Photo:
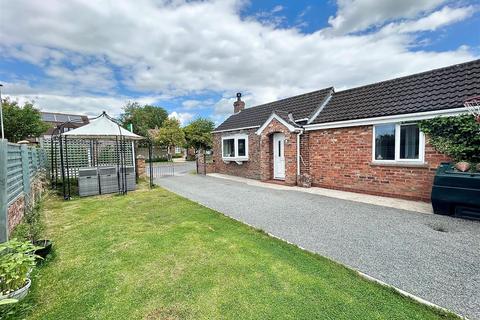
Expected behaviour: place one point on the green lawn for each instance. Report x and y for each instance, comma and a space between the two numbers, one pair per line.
155, 255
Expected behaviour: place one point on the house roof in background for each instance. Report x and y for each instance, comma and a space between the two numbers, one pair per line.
434, 90
301, 107
56, 117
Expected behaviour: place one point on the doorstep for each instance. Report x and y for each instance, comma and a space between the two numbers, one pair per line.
417, 206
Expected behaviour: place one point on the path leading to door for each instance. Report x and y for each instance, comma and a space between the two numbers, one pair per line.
434, 257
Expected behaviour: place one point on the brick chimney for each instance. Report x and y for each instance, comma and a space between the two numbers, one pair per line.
238, 105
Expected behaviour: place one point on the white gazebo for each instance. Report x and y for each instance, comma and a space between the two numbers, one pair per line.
101, 145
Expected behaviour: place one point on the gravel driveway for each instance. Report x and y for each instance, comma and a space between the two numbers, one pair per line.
434, 257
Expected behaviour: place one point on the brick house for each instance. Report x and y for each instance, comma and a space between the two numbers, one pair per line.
364, 139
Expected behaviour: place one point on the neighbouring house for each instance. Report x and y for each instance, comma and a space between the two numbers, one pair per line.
54, 119
364, 139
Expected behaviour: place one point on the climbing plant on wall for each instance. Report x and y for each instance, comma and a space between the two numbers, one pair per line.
457, 136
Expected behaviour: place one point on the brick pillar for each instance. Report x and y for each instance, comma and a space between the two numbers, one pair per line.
140, 163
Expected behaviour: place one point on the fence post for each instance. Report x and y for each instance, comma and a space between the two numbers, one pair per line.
3, 191
25, 172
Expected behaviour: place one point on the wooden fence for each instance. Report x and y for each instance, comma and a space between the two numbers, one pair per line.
19, 165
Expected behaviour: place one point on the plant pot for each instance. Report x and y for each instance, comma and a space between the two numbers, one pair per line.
18, 294
46, 248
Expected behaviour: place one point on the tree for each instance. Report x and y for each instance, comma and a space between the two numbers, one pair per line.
198, 134
143, 118
21, 122
169, 135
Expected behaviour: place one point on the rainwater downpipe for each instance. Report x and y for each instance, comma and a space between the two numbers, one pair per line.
298, 152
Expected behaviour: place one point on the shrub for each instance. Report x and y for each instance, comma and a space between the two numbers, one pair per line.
458, 137
16, 261
31, 227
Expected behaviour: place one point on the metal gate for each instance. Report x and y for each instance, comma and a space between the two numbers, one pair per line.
168, 169
161, 169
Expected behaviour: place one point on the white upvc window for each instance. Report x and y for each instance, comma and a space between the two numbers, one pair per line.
398, 143
235, 147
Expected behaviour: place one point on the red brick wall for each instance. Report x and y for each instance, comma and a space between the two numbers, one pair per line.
15, 212
341, 159
260, 153
248, 169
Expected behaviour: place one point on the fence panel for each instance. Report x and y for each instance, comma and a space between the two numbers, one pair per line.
18, 166
14, 171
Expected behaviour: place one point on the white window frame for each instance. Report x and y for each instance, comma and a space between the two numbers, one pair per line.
398, 160
236, 137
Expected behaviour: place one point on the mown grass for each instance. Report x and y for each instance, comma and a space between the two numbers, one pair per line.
155, 255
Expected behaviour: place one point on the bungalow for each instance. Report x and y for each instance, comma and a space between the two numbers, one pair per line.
364, 139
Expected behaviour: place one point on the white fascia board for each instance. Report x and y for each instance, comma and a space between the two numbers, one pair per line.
387, 119
243, 128
279, 119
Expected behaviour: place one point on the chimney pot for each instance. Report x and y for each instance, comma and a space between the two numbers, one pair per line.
238, 105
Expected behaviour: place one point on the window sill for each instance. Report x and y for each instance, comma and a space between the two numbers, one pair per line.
399, 164
237, 160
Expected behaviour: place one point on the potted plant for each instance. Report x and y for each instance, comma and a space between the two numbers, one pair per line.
16, 263
44, 247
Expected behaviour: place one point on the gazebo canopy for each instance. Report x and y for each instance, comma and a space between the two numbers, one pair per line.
104, 128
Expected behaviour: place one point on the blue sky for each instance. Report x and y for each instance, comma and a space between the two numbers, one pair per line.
191, 57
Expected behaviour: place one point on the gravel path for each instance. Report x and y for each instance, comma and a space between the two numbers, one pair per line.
434, 257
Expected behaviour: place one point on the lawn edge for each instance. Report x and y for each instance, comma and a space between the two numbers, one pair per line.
363, 275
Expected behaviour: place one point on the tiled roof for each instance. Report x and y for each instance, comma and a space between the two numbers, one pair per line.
301, 107
285, 115
438, 89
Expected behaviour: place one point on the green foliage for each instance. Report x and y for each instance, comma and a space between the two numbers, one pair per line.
143, 118
169, 135
7, 301
31, 227
457, 137
21, 122
16, 260
198, 134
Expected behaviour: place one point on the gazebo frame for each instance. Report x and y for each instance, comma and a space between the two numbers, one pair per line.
61, 148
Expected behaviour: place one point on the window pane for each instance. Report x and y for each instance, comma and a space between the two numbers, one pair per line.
241, 148
385, 142
229, 148
409, 141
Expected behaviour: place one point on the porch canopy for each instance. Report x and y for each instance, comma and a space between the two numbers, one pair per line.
104, 128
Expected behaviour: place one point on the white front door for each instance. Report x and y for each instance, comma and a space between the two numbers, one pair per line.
279, 156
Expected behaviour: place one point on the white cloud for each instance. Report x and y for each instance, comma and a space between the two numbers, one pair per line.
190, 104
433, 21
183, 117
277, 8
60, 102
175, 48
357, 15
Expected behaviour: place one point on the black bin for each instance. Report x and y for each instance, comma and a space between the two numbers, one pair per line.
456, 193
